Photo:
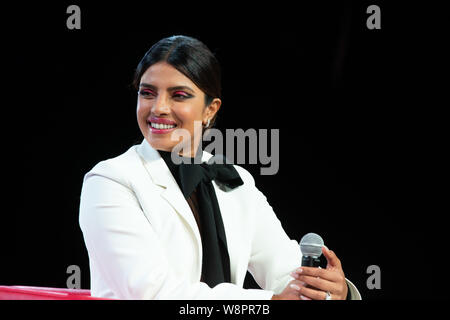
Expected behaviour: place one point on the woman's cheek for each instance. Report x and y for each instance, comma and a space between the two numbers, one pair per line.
187, 114
142, 111
142, 115
140, 108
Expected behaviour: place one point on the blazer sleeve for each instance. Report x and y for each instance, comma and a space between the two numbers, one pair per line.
274, 255
127, 253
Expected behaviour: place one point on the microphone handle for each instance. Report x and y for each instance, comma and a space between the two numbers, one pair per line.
308, 261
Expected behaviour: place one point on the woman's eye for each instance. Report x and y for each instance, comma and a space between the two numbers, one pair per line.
146, 93
181, 95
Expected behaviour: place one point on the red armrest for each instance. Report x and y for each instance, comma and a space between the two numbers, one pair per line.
44, 293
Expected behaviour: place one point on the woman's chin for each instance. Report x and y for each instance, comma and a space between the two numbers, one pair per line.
157, 144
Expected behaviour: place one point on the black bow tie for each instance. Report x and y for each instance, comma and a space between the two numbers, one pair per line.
189, 174
197, 178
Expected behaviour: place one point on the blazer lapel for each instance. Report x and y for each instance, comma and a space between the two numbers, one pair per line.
161, 175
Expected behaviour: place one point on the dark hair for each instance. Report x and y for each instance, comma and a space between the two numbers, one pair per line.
189, 56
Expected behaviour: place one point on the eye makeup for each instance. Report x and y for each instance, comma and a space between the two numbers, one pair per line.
149, 91
181, 94
146, 92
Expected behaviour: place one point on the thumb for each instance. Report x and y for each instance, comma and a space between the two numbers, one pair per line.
332, 259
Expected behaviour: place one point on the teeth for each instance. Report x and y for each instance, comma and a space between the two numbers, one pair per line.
162, 126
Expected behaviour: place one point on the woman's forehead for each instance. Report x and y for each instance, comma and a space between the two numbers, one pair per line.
163, 75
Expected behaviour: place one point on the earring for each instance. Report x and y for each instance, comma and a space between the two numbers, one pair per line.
207, 123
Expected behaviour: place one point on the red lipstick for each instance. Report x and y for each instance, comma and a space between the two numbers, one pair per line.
161, 120
158, 125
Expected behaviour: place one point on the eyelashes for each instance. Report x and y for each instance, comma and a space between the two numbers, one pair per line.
181, 94
147, 93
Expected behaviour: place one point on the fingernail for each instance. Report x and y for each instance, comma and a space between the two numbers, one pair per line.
294, 274
299, 270
295, 287
304, 298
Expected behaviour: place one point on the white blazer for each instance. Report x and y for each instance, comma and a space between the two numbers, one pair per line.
143, 241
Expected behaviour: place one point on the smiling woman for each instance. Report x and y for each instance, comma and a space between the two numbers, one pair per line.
155, 229
178, 81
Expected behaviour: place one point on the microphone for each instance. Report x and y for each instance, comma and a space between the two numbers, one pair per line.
311, 246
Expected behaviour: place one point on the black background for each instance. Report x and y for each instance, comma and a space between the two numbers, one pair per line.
360, 114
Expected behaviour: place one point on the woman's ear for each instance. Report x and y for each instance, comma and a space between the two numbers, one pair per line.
211, 110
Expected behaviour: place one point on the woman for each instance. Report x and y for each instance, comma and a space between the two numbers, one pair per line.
158, 229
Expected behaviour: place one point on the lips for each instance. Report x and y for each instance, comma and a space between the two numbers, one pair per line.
161, 121
161, 125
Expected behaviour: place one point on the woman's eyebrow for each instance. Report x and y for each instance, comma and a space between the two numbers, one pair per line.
148, 85
180, 88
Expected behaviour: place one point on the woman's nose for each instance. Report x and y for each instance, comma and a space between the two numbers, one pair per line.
160, 105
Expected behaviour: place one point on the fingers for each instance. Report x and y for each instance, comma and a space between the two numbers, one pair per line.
291, 292
332, 259
302, 292
325, 274
319, 283
313, 283
311, 294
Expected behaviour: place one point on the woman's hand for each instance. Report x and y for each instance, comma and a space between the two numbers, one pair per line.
319, 281
291, 292
313, 283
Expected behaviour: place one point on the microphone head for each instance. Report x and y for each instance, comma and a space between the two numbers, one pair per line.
311, 245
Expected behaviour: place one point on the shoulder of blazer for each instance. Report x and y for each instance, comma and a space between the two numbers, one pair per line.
119, 168
246, 176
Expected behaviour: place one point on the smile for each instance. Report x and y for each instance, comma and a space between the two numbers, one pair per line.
161, 125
